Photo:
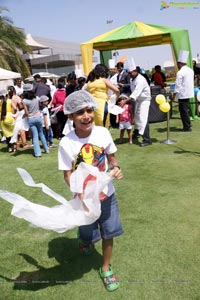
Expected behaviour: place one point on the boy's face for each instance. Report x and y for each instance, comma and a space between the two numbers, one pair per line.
45, 102
83, 121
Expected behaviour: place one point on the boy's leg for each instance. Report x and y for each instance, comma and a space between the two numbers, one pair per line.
107, 246
87, 236
106, 273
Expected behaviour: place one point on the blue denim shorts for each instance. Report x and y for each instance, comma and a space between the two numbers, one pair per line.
107, 226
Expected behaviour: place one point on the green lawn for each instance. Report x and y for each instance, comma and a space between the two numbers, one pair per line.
157, 258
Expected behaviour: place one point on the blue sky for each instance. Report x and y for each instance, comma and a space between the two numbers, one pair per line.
81, 20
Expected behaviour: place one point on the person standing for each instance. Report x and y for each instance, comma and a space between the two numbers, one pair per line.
93, 145
184, 89
32, 103
123, 79
98, 85
113, 79
18, 87
141, 95
158, 77
58, 101
7, 121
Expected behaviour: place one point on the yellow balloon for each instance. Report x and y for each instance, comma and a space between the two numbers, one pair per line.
164, 107
160, 99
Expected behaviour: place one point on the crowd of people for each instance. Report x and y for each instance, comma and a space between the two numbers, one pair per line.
35, 111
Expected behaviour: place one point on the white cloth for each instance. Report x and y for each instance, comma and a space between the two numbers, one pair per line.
112, 107
92, 150
19, 90
113, 80
20, 124
184, 85
68, 127
141, 93
69, 214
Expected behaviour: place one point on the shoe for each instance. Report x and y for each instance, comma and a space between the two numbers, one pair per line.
52, 146
187, 129
110, 281
26, 146
143, 144
85, 248
136, 136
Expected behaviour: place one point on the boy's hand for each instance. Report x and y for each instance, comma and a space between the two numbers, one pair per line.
116, 173
81, 196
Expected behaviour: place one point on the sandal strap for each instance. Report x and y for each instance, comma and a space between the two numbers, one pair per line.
106, 274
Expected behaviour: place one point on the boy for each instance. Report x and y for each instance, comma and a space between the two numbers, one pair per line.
93, 145
46, 123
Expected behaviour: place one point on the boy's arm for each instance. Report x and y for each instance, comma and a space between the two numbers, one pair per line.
67, 175
45, 121
115, 168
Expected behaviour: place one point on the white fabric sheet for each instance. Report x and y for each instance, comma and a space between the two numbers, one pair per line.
69, 214
113, 108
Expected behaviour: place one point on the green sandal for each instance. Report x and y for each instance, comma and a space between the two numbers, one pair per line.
109, 279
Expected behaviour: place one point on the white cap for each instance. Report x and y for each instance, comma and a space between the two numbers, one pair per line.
183, 56
77, 101
79, 73
111, 63
129, 64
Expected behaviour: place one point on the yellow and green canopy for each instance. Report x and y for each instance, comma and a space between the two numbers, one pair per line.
134, 35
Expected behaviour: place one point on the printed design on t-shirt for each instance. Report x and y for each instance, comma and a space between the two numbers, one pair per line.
92, 155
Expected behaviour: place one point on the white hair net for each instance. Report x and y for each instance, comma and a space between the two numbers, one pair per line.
78, 100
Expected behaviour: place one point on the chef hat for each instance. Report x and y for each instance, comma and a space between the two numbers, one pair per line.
129, 64
111, 63
183, 56
79, 73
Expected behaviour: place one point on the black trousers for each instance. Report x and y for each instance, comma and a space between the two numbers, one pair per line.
184, 110
146, 134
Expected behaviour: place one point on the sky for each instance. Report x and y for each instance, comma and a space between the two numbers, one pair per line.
81, 20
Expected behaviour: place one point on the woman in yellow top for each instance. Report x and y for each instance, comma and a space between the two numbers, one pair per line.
6, 117
98, 85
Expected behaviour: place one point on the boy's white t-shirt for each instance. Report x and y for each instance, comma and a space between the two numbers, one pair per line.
92, 150
45, 111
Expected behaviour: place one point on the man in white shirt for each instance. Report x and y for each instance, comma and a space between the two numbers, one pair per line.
141, 96
184, 89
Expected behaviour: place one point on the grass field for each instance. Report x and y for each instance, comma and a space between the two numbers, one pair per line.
157, 258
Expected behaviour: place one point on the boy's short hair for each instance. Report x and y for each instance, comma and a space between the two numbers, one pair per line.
78, 100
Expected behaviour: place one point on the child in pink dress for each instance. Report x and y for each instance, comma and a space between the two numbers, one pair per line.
125, 119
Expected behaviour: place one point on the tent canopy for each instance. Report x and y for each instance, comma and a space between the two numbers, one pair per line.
6, 74
133, 35
33, 44
43, 74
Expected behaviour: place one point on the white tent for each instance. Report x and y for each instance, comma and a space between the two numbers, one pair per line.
6, 78
43, 74
33, 44
6, 74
